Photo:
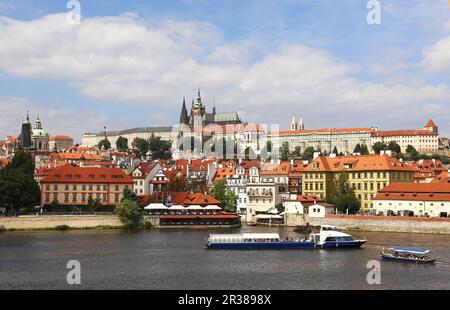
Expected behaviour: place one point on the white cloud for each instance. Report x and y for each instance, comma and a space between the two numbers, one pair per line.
123, 59
436, 59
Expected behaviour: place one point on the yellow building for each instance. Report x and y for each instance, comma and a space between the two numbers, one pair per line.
365, 174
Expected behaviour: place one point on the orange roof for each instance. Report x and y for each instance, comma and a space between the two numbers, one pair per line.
61, 138
76, 156
324, 130
415, 191
71, 174
396, 133
222, 173
430, 123
200, 199
358, 163
443, 177
271, 169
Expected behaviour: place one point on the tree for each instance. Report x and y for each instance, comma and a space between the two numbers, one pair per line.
297, 152
249, 153
364, 150
104, 144
357, 148
335, 151
227, 198
378, 147
343, 196
394, 147
308, 154
94, 204
18, 189
284, 151
129, 213
140, 147
412, 153
122, 144
129, 195
178, 184
160, 149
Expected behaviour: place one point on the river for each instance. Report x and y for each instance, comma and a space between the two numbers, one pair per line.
176, 259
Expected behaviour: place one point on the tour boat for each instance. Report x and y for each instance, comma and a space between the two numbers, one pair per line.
328, 237
407, 255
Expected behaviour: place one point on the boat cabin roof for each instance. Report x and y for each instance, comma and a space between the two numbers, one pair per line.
247, 236
410, 250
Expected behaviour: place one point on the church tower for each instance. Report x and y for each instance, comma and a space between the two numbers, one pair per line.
294, 123
184, 117
25, 142
301, 123
198, 111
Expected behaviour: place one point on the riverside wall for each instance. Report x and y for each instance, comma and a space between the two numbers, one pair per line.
43, 222
385, 224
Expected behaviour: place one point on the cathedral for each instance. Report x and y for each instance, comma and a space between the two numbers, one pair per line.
199, 118
33, 139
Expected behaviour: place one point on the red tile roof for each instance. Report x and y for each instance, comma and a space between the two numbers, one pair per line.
415, 191
396, 133
71, 174
358, 163
430, 124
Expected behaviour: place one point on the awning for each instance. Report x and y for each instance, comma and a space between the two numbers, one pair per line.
177, 207
195, 207
410, 250
156, 206
212, 207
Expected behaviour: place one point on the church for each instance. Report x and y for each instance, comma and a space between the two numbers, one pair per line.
33, 139
199, 118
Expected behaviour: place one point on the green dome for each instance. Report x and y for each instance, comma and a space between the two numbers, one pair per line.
40, 133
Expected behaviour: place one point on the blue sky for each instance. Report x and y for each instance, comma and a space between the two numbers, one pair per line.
265, 59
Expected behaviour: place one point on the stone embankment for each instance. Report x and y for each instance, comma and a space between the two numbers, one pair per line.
43, 222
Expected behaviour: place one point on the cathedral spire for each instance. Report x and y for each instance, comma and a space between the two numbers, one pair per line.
184, 118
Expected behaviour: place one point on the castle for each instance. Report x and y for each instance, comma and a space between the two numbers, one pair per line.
199, 118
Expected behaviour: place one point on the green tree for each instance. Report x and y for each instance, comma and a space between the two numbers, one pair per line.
129, 213
364, 150
129, 195
104, 144
178, 184
343, 196
140, 147
18, 189
297, 152
412, 153
269, 146
122, 144
308, 154
335, 151
357, 148
227, 198
284, 151
378, 147
394, 147
160, 149
94, 204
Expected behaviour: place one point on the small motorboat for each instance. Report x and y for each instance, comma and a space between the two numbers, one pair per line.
252, 224
407, 255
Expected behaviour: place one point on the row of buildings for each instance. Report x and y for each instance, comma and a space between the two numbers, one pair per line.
209, 126
260, 186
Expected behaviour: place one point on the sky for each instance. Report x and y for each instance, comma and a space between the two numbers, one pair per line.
129, 63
